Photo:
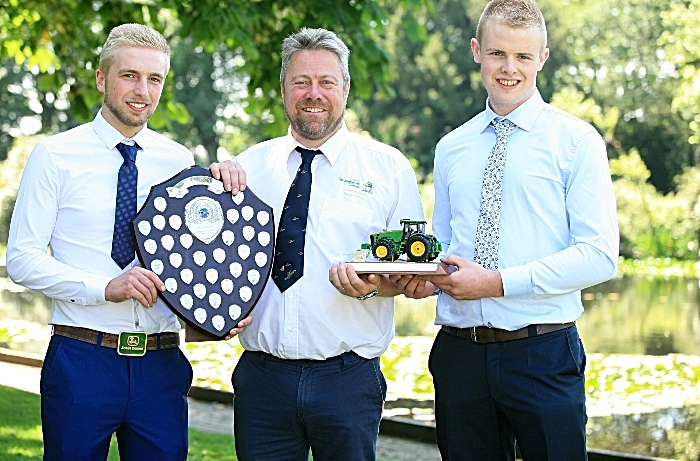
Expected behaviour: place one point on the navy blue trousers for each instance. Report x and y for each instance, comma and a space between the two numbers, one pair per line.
89, 392
283, 408
489, 395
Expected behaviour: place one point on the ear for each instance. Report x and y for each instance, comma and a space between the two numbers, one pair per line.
476, 50
543, 58
100, 81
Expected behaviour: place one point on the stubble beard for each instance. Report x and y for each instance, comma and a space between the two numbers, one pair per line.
126, 118
306, 130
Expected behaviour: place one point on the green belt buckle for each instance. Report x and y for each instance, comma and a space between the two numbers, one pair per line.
132, 343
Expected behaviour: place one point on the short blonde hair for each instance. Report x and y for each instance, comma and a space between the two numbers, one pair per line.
514, 13
132, 35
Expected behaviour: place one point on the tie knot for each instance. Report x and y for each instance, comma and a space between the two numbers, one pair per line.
307, 155
127, 151
503, 126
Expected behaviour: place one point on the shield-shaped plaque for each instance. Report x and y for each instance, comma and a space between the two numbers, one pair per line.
212, 250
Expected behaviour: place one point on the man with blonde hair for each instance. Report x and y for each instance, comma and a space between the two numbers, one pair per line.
525, 210
113, 362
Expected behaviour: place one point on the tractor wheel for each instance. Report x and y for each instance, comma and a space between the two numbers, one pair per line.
418, 248
383, 250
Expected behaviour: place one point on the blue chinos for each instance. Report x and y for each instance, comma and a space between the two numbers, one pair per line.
88, 392
487, 395
283, 408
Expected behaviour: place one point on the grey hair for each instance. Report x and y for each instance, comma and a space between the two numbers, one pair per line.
514, 13
132, 35
315, 39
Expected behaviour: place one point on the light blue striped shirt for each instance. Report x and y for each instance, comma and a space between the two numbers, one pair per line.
558, 226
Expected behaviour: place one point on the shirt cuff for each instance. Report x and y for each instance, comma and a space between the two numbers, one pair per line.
95, 288
517, 281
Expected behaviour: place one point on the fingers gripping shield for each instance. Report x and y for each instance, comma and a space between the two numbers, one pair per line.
212, 250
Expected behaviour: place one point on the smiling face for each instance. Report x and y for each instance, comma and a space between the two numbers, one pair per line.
132, 87
314, 96
510, 58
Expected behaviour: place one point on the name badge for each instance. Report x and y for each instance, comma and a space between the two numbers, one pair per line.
132, 343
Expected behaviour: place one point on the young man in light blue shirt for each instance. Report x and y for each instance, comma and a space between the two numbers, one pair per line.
525, 210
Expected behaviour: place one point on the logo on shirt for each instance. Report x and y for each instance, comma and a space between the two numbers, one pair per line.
357, 188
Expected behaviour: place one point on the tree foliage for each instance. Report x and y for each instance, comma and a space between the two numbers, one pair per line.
57, 43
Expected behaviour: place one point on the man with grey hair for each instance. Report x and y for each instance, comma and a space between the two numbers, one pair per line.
309, 377
525, 210
113, 362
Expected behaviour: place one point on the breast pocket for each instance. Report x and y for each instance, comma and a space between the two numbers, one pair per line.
343, 226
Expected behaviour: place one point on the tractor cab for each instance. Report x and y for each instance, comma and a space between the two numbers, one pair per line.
410, 227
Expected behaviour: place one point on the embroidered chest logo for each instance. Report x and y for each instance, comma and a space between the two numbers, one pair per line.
357, 188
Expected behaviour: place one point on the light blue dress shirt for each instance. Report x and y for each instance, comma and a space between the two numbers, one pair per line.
558, 226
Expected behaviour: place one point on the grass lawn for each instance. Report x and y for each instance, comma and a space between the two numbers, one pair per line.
20, 432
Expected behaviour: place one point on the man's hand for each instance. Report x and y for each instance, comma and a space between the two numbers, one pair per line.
346, 281
136, 283
468, 281
239, 327
412, 286
230, 173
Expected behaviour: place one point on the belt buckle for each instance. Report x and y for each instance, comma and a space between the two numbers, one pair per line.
472, 334
132, 343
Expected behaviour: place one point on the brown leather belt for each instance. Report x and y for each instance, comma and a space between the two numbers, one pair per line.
496, 335
86, 335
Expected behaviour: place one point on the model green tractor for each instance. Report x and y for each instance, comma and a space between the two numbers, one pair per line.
412, 240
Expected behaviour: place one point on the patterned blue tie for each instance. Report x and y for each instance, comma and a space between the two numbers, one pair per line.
487, 232
288, 266
122, 244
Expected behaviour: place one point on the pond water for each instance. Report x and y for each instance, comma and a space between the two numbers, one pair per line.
622, 316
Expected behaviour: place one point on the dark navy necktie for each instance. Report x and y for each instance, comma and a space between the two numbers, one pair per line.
288, 265
122, 244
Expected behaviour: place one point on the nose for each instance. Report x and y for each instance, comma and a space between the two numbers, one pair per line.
141, 86
314, 90
509, 66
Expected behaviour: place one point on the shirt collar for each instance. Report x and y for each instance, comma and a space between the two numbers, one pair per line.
110, 136
523, 117
331, 148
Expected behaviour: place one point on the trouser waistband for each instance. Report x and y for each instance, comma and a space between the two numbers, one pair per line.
344, 357
497, 335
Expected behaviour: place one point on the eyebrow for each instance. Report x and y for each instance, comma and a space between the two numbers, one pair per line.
134, 71
520, 53
320, 77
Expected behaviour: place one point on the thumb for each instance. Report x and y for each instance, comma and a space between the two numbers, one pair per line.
453, 260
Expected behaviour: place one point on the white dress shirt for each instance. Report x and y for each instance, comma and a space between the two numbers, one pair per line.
558, 226
359, 186
66, 200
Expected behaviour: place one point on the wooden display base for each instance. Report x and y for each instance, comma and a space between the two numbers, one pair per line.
399, 267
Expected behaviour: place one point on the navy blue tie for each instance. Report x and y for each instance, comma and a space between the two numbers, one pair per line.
122, 244
288, 265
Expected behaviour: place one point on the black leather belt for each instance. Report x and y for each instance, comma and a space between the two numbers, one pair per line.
86, 335
496, 335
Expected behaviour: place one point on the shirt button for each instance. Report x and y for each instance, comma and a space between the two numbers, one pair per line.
489, 325
290, 330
